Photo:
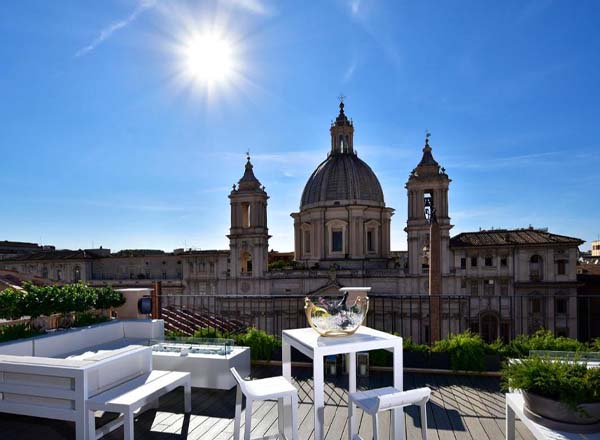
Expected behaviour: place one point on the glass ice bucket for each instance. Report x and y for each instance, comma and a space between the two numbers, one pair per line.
332, 315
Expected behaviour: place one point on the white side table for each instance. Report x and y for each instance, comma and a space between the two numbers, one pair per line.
514, 408
310, 343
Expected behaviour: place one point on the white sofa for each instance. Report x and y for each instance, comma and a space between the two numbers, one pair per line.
42, 376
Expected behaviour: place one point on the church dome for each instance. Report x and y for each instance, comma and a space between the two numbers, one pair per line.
342, 176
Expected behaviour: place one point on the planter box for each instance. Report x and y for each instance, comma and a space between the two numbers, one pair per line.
208, 370
439, 361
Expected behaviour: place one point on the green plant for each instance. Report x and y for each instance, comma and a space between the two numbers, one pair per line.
569, 382
108, 297
409, 345
466, 350
86, 318
210, 332
11, 303
542, 340
17, 331
262, 345
174, 334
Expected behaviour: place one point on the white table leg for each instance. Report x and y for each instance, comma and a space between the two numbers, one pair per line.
286, 360
398, 413
187, 397
510, 423
319, 397
351, 389
128, 426
286, 408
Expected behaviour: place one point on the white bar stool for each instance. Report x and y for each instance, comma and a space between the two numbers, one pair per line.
264, 389
382, 399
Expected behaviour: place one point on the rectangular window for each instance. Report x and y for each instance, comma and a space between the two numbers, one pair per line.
463, 283
212, 267
489, 261
561, 267
473, 261
488, 287
306, 242
561, 305
463, 263
474, 287
504, 287
164, 275
503, 261
536, 305
370, 241
337, 241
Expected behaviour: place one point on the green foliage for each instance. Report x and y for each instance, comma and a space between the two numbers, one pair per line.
543, 340
571, 383
11, 304
108, 297
34, 301
409, 345
262, 345
278, 265
466, 350
85, 319
17, 331
211, 332
174, 334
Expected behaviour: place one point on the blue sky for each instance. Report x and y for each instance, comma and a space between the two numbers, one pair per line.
105, 142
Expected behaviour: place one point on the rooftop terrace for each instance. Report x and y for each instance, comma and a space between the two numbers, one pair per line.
462, 407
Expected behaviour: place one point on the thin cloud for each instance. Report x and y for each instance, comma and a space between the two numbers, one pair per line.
355, 6
509, 161
254, 6
108, 31
349, 73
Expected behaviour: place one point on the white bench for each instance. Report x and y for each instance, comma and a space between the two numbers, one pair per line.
132, 396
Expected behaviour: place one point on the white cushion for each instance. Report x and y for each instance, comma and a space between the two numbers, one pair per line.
381, 399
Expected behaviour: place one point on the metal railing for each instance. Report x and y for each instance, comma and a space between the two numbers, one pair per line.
411, 315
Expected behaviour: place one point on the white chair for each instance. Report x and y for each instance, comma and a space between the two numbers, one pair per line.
381, 399
264, 389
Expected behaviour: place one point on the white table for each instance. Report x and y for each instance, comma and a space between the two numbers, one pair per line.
514, 408
310, 343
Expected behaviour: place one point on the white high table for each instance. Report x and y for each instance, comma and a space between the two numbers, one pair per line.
310, 343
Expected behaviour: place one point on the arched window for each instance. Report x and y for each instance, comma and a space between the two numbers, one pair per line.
489, 327
77, 274
59, 274
245, 215
535, 268
246, 263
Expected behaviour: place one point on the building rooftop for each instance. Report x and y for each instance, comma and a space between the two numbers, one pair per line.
511, 237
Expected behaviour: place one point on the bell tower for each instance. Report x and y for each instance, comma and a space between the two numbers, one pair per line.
427, 189
248, 234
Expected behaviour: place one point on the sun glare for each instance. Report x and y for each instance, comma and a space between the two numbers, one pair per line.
209, 58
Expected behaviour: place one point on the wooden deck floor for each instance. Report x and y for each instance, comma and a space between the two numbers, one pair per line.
461, 407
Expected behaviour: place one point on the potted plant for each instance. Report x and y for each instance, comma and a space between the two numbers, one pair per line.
563, 391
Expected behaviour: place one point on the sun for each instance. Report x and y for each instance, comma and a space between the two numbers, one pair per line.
209, 58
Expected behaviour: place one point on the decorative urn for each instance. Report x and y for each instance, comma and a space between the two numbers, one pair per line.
337, 315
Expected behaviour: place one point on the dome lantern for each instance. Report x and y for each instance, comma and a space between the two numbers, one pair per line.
342, 133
